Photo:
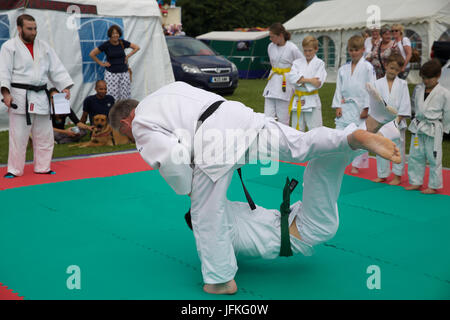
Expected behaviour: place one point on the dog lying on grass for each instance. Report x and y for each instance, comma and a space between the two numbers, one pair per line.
103, 134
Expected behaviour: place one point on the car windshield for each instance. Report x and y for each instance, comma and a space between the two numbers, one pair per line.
188, 47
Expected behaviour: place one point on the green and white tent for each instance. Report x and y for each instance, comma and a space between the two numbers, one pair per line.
248, 50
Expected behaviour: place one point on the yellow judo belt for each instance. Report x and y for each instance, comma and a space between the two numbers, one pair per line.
299, 94
281, 71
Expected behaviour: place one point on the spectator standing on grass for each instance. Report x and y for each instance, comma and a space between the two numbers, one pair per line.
117, 73
403, 45
381, 52
371, 41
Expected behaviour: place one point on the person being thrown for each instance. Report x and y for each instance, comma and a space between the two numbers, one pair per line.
165, 124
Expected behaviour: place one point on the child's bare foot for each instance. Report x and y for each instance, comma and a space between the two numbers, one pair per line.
379, 180
412, 187
354, 170
385, 148
396, 181
428, 191
229, 287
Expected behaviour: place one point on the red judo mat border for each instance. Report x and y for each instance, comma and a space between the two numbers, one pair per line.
371, 173
108, 165
8, 294
74, 169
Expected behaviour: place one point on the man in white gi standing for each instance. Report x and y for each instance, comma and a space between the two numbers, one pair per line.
171, 139
26, 66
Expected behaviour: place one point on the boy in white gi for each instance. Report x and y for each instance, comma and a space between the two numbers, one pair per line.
431, 103
171, 139
351, 99
26, 67
278, 93
307, 77
395, 93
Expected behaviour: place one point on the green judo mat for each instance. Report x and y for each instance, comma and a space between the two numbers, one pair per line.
127, 237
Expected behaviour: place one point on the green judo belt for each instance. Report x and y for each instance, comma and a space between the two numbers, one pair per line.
285, 210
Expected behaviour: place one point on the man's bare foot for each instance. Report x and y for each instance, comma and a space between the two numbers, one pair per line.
379, 180
354, 170
428, 191
396, 181
412, 187
385, 148
229, 287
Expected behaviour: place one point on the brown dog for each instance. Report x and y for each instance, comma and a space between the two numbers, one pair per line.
103, 134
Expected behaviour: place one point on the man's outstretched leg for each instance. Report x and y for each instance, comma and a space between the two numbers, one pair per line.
319, 218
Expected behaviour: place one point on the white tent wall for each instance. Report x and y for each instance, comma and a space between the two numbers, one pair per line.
151, 66
335, 36
341, 19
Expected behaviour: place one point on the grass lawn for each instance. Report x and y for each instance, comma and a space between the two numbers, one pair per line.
249, 92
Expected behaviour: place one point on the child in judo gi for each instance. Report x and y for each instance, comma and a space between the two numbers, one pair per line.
431, 103
277, 93
307, 77
394, 91
351, 99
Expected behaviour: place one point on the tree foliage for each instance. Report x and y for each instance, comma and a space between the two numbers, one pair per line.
201, 16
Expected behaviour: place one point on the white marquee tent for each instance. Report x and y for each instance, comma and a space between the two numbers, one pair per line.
74, 28
334, 22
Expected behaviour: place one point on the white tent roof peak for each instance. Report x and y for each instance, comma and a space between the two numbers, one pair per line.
234, 35
350, 14
138, 8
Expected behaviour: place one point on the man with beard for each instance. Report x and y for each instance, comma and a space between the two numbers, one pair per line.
26, 67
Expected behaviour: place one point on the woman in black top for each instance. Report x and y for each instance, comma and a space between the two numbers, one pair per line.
117, 75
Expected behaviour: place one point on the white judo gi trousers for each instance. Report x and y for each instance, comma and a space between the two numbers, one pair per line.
419, 154
41, 130
277, 108
210, 220
311, 118
383, 165
257, 233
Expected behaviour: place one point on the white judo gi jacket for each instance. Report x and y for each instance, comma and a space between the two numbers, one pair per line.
165, 130
281, 57
351, 88
398, 98
314, 69
18, 66
432, 114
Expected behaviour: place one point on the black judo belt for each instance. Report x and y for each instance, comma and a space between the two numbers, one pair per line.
211, 109
35, 89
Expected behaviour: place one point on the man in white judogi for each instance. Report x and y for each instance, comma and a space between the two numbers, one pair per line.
26, 66
307, 76
170, 138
